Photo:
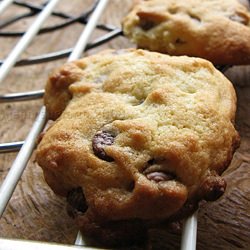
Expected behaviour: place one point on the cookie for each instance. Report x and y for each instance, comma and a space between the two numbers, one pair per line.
139, 139
217, 30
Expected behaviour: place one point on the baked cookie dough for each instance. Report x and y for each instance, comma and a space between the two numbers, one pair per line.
217, 30
139, 139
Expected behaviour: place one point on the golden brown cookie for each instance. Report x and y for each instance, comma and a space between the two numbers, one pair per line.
217, 30
139, 138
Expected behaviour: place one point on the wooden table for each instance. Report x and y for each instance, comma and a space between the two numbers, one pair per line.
35, 213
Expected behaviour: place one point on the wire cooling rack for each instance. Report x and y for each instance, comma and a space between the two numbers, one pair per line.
90, 21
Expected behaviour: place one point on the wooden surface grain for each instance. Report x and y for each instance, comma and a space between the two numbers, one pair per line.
35, 213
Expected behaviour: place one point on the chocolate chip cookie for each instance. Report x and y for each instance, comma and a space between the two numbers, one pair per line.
217, 30
139, 138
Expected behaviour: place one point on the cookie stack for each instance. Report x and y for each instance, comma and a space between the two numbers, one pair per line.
141, 137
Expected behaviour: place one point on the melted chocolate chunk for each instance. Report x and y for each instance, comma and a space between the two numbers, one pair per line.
160, 176
149, 20
100, 140
213, 187
147, 25
76, 201
155, 171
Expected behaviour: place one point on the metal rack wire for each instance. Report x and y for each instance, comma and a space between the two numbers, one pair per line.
89, 18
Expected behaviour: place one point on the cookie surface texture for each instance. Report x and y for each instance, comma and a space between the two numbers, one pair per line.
137, 136
217, 30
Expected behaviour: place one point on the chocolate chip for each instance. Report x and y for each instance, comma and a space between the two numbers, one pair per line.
76, 201
149, 20
160, 176
213, 187
155, 170
147, 25
100, 140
